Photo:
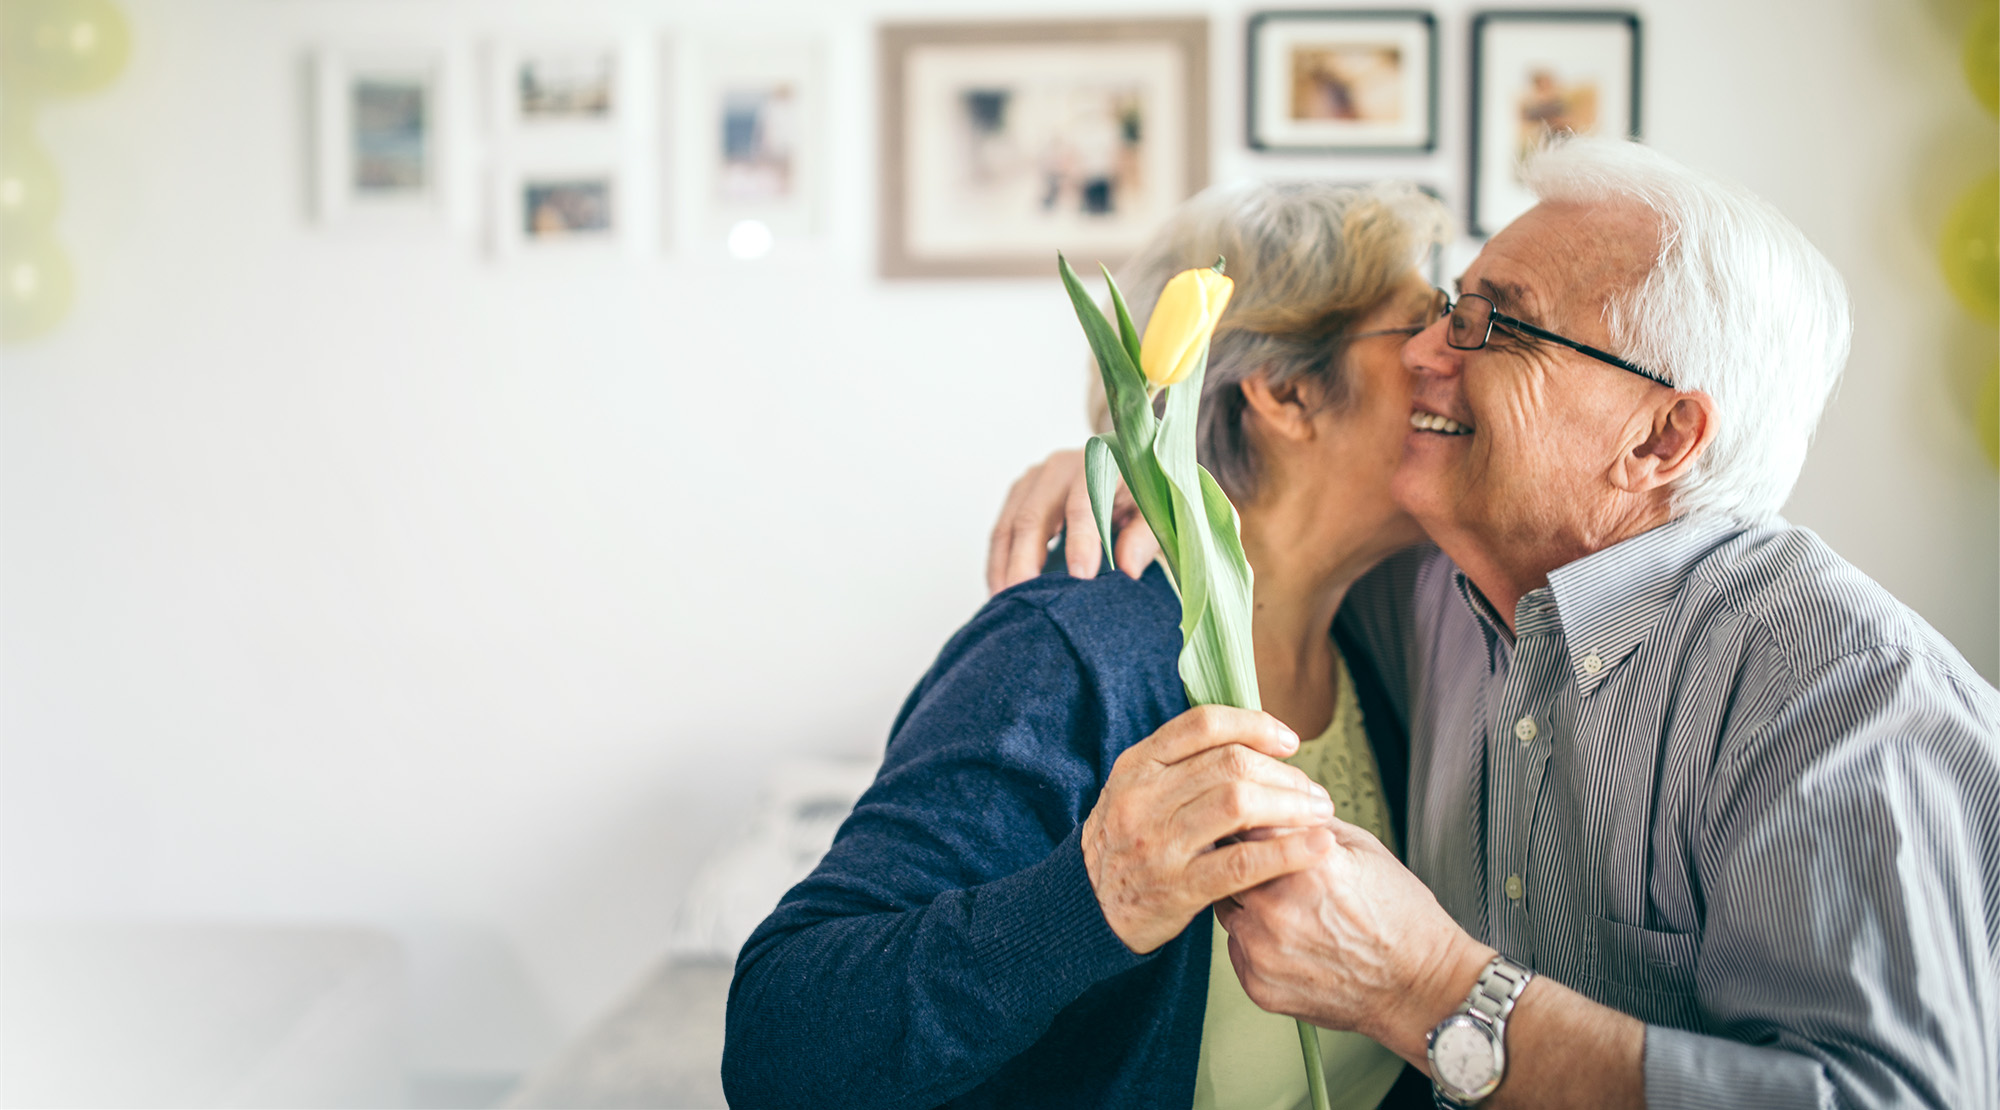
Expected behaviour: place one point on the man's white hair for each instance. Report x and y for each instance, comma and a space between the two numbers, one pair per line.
1739, 305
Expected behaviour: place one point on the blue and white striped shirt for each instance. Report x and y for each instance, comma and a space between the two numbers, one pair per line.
1717, 779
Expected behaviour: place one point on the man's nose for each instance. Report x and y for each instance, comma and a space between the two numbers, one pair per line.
1428, 355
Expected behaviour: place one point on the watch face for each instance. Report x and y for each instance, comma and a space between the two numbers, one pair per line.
1462, 1056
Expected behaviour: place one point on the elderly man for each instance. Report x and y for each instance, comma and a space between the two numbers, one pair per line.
1699, 815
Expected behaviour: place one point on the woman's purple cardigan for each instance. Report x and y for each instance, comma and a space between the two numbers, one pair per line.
949, 949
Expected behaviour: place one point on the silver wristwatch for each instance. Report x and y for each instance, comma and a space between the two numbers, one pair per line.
1468, 1050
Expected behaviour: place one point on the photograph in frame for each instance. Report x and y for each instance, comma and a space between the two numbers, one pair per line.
1006, 142
759, 142
1536, 74
567, 207
1347, 82
573, 85
391, 116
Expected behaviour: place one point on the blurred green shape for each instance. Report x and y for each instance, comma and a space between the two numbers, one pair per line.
36, 287
1982, 55
1987, 418
30, 193
62, 47
1969, 248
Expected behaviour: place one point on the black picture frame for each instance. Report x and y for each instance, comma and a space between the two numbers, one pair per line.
1265, 128
1491, 202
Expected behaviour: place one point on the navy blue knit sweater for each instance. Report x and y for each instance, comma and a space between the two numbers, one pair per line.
949, 950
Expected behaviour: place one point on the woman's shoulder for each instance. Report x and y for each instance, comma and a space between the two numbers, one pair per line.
1111, 640
1110, 621
1050, 681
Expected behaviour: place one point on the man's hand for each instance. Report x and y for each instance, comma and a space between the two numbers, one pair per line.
1210, 773
1354, 942
1049, 496
1357, 942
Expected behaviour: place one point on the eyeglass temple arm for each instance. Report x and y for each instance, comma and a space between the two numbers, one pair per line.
1604, 356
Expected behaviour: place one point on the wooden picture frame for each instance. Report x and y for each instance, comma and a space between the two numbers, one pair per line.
1342, 82
1005, 142
1534, 72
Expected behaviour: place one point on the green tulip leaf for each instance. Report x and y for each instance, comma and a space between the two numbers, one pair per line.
1231, 589
1124, 385
1189, 555
1131, 406
1100, 472
1126, 330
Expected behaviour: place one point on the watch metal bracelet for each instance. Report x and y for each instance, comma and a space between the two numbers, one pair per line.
1489, 1003
1498, 988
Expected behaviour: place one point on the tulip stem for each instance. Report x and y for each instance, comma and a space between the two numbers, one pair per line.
1315, 1073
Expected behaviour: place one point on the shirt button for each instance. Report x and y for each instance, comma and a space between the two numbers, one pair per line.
1592, 663
1525, 729
1513, 887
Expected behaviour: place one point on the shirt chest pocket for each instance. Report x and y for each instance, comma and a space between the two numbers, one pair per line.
1646, 973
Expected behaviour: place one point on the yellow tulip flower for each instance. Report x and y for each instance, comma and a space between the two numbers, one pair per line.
1183, 319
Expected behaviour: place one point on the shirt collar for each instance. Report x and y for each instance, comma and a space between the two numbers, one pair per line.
1609, 600
1488, 618
1534, 615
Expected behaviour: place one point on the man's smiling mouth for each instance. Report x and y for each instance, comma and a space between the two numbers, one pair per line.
1443, 425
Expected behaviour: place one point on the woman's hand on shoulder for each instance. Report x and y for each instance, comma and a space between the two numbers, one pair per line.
1053, 494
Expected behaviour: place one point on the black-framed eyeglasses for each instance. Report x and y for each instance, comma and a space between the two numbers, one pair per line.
1473, 318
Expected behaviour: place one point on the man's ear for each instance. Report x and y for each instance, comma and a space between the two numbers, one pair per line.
1680, 430
1285, 410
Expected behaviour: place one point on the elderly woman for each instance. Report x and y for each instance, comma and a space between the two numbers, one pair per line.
1016, 914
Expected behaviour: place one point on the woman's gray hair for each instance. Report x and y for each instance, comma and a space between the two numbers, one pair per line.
1309, 260
1739, 305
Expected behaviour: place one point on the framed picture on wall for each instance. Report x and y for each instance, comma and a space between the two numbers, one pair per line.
761, 137
1535, 74
379, 136
1343, 82
561, 142
1003, 143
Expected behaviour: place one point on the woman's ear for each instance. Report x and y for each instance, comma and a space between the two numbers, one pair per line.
1282, 410
1680, 431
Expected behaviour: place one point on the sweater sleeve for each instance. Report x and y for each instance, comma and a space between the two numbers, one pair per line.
952, 918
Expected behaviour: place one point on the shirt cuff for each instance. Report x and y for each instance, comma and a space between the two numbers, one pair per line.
1690, 1071
1040, 937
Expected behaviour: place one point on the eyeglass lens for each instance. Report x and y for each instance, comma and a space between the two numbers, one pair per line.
1471, 323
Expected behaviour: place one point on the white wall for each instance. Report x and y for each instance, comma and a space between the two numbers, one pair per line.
366, 580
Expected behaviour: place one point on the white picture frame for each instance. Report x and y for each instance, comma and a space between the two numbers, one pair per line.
757, 137
383, 124
565, 124
665, 150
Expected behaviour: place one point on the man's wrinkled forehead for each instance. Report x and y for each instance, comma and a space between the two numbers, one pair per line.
1565, 255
